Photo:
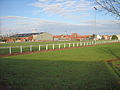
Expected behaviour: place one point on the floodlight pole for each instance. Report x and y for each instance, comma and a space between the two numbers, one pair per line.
0, 32
95, 25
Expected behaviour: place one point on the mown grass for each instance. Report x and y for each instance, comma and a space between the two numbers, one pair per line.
115, 65
42, 43
26, 46
33, 43
15, 47
75, 69
35, 47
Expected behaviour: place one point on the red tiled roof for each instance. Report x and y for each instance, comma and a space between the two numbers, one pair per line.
57, 36
73, 36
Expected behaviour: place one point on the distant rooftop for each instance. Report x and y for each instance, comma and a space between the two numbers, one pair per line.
26, 34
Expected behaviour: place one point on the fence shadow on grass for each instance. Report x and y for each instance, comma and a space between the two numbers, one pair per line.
110, 51
115, 69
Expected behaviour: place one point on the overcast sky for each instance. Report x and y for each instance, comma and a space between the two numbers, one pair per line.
55, 17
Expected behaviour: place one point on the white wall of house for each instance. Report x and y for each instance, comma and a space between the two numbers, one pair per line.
118, 36
99, 37
18, 41
56, 39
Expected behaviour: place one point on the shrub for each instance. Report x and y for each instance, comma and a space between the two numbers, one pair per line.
114, 37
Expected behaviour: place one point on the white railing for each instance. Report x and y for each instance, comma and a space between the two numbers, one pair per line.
30, 48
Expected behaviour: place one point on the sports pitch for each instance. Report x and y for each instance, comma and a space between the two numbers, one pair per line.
83, 68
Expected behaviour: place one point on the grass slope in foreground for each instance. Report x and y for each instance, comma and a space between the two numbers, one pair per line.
74, 69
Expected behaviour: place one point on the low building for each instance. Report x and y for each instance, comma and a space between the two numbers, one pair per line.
24, 37
9, 39
56, 37
84, 37
43, 36
106, 37
29, 37
73, 37
99, 37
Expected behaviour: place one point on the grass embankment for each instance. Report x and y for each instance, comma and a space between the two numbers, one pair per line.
75, 69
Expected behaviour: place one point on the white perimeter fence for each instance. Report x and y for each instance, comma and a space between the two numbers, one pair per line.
30, 48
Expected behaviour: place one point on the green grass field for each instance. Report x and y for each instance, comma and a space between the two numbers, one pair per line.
26, 46
74, 69
15, 47
33, 43
41, 43
115, 66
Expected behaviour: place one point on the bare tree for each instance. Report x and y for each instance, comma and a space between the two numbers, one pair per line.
111, 6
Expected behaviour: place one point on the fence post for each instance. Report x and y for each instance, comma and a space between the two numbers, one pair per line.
69, 45
30, 48
53, 46
80, 43
46, 47
64, 45
10, 50
77, 44
84, 43
87, 43
90, 43
20, 49
95, 41
73, 44
59, 46
39, 47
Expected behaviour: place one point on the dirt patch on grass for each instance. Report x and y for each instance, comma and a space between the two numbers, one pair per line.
113, 60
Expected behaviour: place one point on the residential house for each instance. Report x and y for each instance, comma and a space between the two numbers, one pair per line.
9, 39
84, 37
118, 36
73, 36
106, 37
99, 37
